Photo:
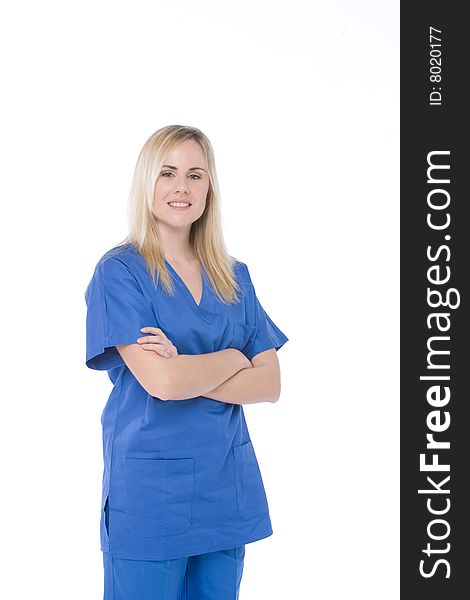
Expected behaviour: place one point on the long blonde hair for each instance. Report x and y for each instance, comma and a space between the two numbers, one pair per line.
205, 238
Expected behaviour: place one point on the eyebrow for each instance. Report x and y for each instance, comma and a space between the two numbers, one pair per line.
191, 169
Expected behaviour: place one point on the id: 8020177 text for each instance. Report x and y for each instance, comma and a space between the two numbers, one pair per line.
435, 67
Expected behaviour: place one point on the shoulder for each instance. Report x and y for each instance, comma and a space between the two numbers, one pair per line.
242, 276
124, 254
241, 271
119, 267
118, 260
239, 267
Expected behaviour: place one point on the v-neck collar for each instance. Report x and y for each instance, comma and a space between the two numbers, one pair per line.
204, 308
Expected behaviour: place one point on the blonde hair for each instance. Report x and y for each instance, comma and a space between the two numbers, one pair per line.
206, 238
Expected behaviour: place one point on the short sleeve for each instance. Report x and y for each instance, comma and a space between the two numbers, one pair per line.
116, 311
267, 335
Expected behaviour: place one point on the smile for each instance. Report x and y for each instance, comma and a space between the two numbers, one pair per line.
179, 204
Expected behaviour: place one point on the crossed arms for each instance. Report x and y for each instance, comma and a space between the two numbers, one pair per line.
227, 375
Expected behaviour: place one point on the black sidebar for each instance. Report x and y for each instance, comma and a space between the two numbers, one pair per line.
434, 301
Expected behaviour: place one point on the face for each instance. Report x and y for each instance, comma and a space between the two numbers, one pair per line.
182, 178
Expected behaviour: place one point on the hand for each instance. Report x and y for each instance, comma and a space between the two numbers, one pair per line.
158, 342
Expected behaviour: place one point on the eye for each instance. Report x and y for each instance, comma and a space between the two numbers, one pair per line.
193, 176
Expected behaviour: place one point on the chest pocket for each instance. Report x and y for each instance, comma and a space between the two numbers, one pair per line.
242, 334
159, 495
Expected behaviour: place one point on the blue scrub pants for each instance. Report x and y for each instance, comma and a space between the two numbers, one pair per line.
210, 576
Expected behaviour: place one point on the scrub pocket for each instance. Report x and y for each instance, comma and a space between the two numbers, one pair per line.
106, 516
159, 495
242, 334
104, 520
251, 497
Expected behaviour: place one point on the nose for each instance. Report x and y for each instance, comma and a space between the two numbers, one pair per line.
181, 184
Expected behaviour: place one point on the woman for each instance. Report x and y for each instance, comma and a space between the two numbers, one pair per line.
175, 321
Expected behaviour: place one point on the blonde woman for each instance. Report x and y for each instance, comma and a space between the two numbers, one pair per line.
175, 321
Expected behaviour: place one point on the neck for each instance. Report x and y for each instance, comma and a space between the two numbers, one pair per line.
176, 246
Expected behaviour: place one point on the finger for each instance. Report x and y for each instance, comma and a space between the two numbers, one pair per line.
160, 348
155, 337
155, 330
151, 339
163, 352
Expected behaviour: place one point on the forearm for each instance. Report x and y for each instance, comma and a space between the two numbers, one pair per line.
191, 375
248, 386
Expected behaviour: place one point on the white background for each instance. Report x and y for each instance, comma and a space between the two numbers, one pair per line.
301, 102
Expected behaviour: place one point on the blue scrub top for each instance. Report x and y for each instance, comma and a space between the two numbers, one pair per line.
180, 477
